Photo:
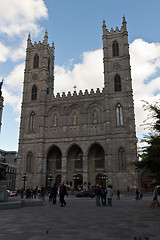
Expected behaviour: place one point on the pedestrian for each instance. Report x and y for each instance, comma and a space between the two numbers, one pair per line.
137, 194
98, 193
155, 194
109, 195
54, 193
43, 193
39, 192
62, 193
103, 196
118, 194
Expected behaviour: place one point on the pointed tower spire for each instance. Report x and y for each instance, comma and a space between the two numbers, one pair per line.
28, 40
124, 23
46, 37
104, 26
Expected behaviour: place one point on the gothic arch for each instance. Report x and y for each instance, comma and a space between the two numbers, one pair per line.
34, 93
119, 115
74, 162
115, 49
29, 162
117, 83
36, 61
54, 161
121, 159
32, 122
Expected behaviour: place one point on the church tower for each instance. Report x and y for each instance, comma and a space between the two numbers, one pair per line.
119, 109
84, 138
37, 89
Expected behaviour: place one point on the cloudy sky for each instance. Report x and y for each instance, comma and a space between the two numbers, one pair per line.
76, 29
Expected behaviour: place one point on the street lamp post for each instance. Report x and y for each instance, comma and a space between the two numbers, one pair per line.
24, 179
75, 178
50, 178
104, 177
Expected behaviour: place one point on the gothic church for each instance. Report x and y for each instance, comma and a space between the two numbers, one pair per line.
88, 134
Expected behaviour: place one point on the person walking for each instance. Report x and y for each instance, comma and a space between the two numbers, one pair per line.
137, 194
43, 193
62, 193
54, 191
155, 194
109, 195
118, 194
98, 193
103, 196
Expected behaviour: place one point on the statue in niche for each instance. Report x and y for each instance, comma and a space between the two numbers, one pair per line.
95, 117
55, 120
75, 119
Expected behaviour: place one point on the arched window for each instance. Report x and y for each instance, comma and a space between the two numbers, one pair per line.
79, 161
99, 159
49, 63
36, 61
119, 115
55, 120
29, 162
117, 83
32, 122
115, 49
34, 93
121, 159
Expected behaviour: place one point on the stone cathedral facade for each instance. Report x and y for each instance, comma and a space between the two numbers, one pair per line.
87, 133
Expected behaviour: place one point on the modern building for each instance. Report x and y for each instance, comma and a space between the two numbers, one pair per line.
80, 138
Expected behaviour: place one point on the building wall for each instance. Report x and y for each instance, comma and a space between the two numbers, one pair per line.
59, 129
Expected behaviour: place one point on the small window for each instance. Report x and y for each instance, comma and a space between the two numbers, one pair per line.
34, 93
36, 61
29, 162
32, 122
117, 83
115, 49
119, 115
49, 63
121, 159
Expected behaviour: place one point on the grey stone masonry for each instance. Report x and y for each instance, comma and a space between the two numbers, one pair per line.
87, 134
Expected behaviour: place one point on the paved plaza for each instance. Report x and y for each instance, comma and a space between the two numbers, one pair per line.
82, 219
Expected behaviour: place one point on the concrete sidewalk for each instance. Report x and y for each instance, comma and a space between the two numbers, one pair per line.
81, 219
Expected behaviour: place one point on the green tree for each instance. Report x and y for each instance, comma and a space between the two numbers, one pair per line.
150, 156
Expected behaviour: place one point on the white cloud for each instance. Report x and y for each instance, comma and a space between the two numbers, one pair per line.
145, 64
17, 17
4, 51
85, 75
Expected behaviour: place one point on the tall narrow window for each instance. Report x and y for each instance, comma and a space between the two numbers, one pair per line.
49, 63
79, 161
36, 61
29, 162
34, 93
119, 115
121, 159
117, 83
32, 122
95, 117
75, 118
115, 49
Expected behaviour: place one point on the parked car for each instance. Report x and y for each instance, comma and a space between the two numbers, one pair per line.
12, 193
87, 193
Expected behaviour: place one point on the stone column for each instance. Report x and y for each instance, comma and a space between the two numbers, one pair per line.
64, 170
85, 171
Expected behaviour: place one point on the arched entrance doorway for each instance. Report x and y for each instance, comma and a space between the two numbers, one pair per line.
75, 167
96, 164
54, 163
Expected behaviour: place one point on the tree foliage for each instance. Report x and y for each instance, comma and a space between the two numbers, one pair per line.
150, 157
